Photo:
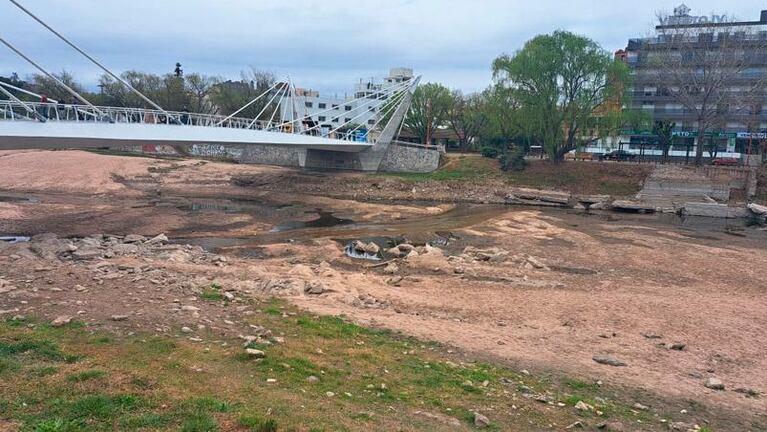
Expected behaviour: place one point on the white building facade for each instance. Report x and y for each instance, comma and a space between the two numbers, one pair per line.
359, 109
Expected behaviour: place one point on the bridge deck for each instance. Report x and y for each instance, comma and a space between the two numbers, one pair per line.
54, 135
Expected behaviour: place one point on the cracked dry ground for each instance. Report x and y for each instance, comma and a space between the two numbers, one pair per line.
542, 290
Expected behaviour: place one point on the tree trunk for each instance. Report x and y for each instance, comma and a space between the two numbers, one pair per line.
699, 147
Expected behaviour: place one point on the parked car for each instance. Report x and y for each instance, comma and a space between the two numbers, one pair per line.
618, 155
725, 162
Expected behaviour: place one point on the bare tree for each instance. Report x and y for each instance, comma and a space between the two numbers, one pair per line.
710, 70
200, 88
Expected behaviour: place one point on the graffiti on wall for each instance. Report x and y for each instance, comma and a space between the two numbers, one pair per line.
215, 151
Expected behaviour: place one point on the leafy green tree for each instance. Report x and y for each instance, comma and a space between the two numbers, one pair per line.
429, 110
466, 117
561, 80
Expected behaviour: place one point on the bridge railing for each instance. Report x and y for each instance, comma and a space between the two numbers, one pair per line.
12, 110
16, 111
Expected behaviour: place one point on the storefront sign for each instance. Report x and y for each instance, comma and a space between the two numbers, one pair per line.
752, 135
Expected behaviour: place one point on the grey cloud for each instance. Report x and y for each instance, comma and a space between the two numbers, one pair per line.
325, 44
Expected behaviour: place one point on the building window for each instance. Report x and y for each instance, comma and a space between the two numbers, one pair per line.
335, 107
309, 104
371, 122
348, 107
347, 120
335, 120
321, 118
322, 105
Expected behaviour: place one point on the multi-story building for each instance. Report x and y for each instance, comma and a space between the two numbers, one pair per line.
331, 112
738, 128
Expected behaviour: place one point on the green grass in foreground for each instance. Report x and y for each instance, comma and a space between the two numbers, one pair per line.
71, 379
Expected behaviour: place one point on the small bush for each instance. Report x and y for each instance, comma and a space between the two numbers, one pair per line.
489, 152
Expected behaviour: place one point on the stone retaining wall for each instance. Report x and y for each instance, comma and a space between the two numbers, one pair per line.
398, 158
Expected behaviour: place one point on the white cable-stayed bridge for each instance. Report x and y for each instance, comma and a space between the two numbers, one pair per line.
277, 134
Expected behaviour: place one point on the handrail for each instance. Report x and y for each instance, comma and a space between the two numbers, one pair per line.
61, 112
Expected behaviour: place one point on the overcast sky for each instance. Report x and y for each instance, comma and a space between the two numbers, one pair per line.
326, 45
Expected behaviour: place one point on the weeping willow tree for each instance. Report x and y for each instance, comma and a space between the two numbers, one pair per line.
562, 82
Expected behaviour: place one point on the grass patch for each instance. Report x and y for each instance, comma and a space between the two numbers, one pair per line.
213, 293
199, 422
85, 375
258, 424
377, 381
459, 168
616, 179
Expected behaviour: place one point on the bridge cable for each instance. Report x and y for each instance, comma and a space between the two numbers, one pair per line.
394, 96
57, 80
383, 113
248, 104
27, 92
391, 88
94, 61
23, 104
283, 91
363, 113
264, 110
394, 103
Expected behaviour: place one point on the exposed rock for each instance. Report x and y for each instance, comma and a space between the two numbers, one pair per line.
87, 253
480, 420
678, 346
441, 418
391, 268
394, 280
186, 330
611, 426
749, 392
119, 317
61, 321
189, 308
157, 240
578, 424
641, 407
134, 238
124, 249
637, 206
583, 406
525, 196
651, 335
714, 384
758, 209
254, 353
608, 360
302, 271
312, 379
682, 426
314, 287
372, 249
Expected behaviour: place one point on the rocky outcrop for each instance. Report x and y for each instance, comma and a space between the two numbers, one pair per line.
536, 197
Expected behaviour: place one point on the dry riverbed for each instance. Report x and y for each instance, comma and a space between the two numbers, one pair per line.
616, 322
